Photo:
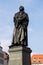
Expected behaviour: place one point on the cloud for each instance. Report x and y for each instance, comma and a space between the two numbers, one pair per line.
5, 44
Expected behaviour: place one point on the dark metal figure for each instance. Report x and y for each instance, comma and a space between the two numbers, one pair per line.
20, 32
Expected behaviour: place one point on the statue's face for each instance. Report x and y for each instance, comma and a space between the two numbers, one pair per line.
21, 8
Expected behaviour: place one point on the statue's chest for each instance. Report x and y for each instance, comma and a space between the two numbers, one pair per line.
20, 15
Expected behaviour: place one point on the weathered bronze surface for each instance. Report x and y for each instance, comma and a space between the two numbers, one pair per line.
21, 20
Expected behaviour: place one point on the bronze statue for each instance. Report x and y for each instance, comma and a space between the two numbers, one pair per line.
20, 32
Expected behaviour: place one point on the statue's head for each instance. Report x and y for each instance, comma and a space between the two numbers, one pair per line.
21, 8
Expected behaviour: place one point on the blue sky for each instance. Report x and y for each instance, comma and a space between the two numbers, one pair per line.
34, 8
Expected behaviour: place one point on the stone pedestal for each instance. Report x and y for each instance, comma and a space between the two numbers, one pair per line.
19, 55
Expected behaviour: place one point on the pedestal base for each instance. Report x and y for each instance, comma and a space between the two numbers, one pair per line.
19, 55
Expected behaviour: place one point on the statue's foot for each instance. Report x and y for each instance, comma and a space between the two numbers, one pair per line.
11, 46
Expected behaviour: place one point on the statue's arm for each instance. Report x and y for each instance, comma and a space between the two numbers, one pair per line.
15, 21
25, 21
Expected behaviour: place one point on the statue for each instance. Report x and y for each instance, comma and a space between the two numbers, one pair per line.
20, 32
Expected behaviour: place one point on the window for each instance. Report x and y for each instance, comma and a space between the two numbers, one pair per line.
1, 55
1, 61
39, 60
34, 60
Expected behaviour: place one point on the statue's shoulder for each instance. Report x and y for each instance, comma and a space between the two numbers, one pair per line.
25, 14
16, 14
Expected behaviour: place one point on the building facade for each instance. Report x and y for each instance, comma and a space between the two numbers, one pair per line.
37, 59
1, 56
4, 57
